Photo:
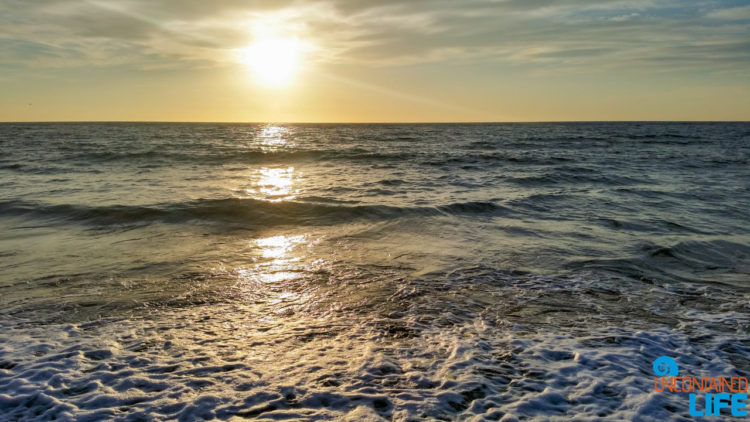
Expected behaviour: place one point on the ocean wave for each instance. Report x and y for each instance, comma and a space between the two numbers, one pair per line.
240, 210
565, 176
216, 155
33, 168
213, 154
493, 158
666, 137
720, 261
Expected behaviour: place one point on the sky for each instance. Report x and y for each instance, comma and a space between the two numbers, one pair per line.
374, 61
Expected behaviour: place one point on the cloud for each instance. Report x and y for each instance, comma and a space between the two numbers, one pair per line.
731, 13
574, 33
623, 18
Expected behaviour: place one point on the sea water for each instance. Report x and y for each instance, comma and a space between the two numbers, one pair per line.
369, 272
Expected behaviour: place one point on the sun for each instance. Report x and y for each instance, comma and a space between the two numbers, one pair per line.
274, 61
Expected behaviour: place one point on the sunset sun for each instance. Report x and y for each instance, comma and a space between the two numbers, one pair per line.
273, 61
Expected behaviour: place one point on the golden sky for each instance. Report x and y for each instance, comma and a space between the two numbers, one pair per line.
363, 61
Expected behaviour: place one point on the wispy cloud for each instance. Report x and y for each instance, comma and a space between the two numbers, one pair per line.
675, 34
730, 13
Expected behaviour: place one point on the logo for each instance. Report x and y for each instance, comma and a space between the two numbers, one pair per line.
708, 396
664, 366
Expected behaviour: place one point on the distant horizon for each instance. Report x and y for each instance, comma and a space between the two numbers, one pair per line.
370, 123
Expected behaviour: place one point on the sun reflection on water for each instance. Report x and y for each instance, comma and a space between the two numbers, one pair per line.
277, 184
271, 138
272, 184
279, 247
274, 276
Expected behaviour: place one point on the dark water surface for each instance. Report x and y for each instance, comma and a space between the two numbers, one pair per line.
368, 272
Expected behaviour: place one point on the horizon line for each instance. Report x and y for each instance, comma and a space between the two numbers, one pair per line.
370, 122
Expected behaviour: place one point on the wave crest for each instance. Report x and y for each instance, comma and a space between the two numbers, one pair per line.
240, 210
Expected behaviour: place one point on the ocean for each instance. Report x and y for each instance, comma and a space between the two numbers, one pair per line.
159, 271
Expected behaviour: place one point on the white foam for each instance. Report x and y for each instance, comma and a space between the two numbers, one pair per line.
216, 361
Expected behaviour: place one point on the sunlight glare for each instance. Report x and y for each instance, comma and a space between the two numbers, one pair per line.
271, 138
275, 184
274, 61
278, 247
